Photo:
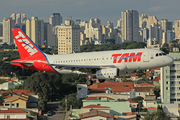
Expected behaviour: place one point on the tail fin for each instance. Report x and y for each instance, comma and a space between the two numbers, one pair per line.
25, 45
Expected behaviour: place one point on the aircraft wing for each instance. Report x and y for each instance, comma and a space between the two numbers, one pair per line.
82, 66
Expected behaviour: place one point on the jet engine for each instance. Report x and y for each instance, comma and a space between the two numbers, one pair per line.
108, 73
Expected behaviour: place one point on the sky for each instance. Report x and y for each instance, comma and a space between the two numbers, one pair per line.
105, 10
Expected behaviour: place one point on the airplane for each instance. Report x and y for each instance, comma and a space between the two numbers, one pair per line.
103, 65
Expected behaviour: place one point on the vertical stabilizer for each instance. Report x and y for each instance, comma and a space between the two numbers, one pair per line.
26, 47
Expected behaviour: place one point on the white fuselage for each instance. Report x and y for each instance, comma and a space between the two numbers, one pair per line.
132, 59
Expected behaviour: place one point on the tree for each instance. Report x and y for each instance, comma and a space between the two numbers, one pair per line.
159, 115
71, 100
140, 73
44, 84
156, 91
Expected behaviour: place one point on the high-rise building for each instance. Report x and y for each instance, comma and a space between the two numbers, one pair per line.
177, 29
8, 23
152, 20
1, 32
130, 25
93, 30
35, 30
155, 34
68, 36
143, 21
167, 33
170, 81
55, 19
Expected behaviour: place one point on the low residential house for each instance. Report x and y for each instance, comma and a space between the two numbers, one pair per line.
128, 116
20, 101
115, 90
133, 105
13, 115
96, 115
16, 101
117, 107
142, 91
9, 84
150, 101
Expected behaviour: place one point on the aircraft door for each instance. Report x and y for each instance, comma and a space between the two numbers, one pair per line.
146, 56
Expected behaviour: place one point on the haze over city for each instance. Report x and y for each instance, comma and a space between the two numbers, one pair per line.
106, 10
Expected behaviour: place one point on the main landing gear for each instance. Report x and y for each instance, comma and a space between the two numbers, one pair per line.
89, 82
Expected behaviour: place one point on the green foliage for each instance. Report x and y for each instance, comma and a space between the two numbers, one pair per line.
112, 46
125, 85
2, 81
159, 115
71, 100
33, 113
73, 78
139, 100
110, 41
120, 100
156, 91
145, 79
140, 73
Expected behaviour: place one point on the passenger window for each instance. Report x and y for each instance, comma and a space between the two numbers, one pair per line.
160, 54
156, 54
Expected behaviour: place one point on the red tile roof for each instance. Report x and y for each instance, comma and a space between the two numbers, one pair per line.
152, 108
128, 113
98, 98
130, 101
96, 113
23, 91
145, 84
4, 92
12, 111
11, 81
116, 86
158, 78
95, 106
16, 119
142, 89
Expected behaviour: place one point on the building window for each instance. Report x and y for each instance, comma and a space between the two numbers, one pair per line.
79, 88
8, 116
166, 82
166, 88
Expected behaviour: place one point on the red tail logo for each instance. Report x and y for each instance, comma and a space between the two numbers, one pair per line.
26, 47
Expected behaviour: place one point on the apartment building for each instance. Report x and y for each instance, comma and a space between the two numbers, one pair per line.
68, 35
170, 81
35, 30
130, 25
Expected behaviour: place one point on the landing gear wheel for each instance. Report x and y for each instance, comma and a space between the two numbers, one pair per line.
101, 80
89, 82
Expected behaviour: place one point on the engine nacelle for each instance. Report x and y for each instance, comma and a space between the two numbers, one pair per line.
108, 73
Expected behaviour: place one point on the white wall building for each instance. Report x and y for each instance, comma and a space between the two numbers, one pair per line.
68, 36
35, 30
8, 23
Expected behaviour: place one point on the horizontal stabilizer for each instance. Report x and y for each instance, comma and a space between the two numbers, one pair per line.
28, 63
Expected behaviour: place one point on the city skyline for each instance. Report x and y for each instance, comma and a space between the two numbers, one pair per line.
104, 10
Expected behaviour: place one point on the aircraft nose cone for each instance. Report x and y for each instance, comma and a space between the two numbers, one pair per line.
170, 60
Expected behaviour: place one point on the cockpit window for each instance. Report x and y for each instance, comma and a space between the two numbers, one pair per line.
160, 54
164, 53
